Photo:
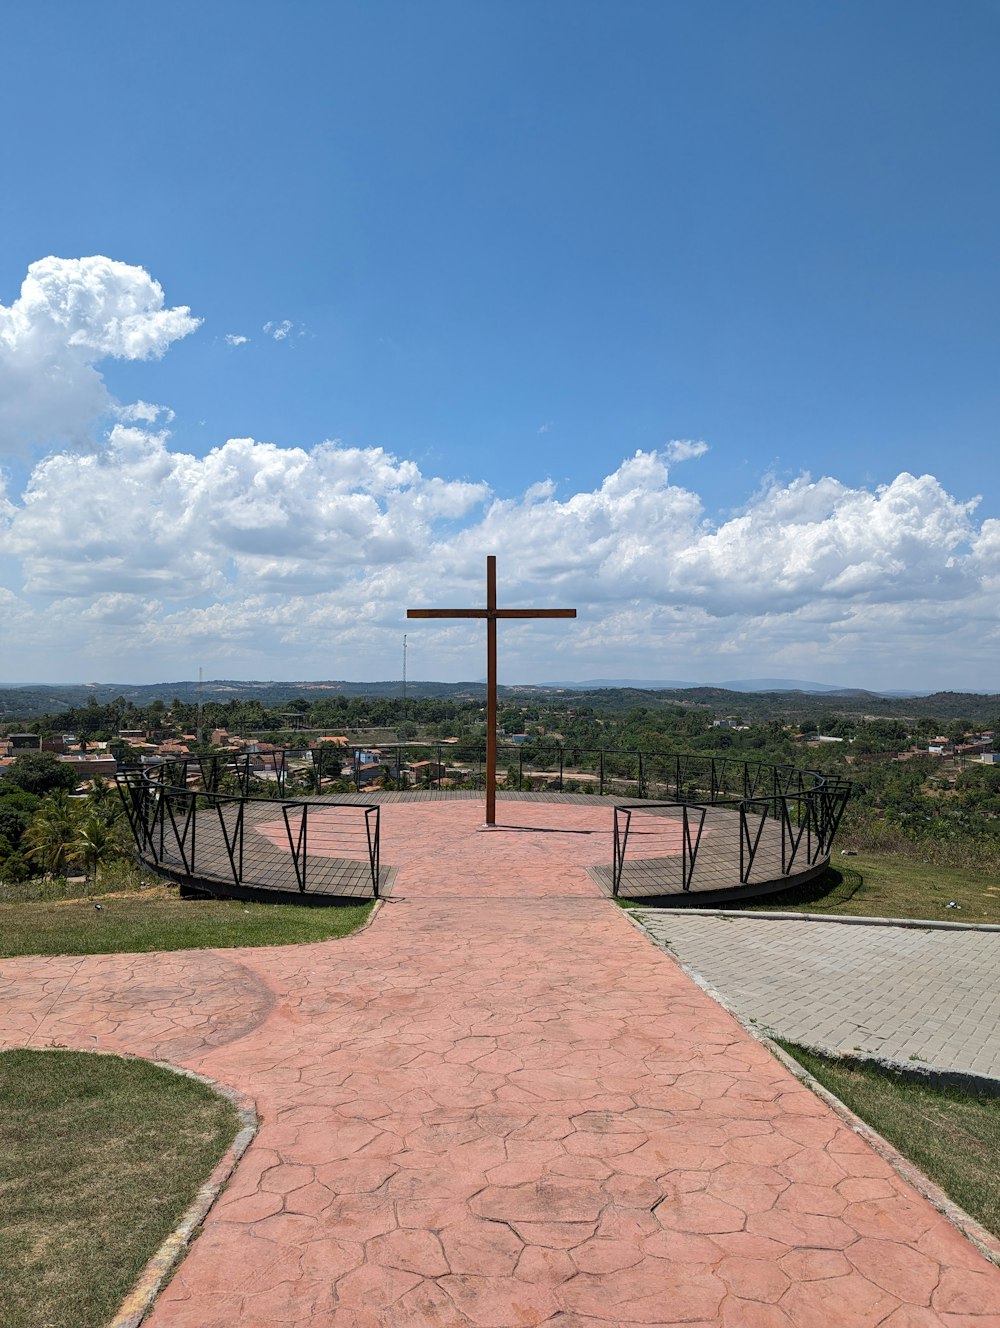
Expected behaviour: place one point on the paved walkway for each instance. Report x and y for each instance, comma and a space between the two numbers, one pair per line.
927, 997
500, 1105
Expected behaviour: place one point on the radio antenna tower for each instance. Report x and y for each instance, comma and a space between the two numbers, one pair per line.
199, 729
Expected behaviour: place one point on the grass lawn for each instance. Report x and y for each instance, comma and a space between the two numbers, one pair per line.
884, 887
99, 1157
158, 919
952, 1137
869, 886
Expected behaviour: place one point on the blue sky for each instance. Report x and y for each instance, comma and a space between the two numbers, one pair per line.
512, 246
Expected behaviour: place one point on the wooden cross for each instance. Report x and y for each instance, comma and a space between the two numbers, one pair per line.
491, 613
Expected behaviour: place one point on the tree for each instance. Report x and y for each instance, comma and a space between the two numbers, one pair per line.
41, 773
50, 841
97, 843
13, 865
16, 810
103, 801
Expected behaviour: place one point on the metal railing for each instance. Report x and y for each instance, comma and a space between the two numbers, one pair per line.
683, 777
172, 833
803, 819
659, 846
599, 770
802, 808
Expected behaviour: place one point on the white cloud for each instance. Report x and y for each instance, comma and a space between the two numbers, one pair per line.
143, 412
905, 540
296, 561
234, 339
71, 314
248, 515
122, 559
684, 449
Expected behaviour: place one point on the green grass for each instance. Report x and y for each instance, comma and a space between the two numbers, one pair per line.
882, 887
953, 1137
158, 919
869, 886
99, 1157
120, 876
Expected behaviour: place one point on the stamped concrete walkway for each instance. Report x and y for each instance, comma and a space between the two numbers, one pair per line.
500, 1105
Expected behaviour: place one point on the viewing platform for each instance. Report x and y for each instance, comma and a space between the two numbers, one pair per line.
740, 829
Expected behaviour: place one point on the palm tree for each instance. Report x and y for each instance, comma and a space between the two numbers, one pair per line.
50, 839
97, 842
103, 801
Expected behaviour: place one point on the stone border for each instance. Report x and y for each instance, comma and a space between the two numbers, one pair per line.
851, 919
376, 906
985, 1242
161, 1266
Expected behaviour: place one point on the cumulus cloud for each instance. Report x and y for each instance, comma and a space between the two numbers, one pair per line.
684, 449
805, 539
125, 558
246, 516
71, 314
296, 561
143, 412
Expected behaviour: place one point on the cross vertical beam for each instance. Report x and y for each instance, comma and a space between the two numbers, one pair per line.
491, 613
491, 690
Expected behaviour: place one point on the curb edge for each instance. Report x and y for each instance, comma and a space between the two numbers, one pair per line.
161, 1266
985, 1242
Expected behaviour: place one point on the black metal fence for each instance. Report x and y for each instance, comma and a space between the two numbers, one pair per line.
601, 771
795, 826
165, 805
785, 814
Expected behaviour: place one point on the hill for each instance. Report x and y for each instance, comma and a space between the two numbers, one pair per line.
790, 706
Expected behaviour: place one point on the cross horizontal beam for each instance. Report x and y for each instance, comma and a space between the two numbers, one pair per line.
491, 613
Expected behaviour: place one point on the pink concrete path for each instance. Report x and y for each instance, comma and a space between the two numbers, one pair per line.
498, 1106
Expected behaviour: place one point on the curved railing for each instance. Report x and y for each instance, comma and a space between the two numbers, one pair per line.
163, 803
785, 816
792, 832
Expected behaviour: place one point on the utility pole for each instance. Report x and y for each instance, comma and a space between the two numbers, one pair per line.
404, 675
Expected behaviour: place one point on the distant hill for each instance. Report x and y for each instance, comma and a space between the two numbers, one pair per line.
787, 700
595, 684
30, 701
782, 685
740, 685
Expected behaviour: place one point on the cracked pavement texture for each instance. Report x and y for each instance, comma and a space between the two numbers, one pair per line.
501, 1105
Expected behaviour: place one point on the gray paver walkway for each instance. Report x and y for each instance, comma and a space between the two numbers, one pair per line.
897, 993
